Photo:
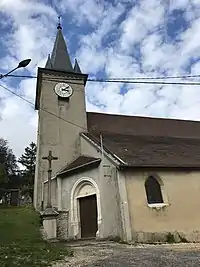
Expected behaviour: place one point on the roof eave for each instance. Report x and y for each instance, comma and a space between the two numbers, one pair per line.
117, 160
92, 163
159, 167
73, 74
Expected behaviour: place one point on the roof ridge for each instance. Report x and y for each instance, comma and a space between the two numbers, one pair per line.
142, 117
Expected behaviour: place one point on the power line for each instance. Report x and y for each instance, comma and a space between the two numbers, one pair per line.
123, 78
53, 114
129, 82
152, 82
157, 77
121, 81
29, 102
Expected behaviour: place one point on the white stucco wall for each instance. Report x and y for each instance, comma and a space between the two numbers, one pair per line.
181, 194
104, 177
57, 134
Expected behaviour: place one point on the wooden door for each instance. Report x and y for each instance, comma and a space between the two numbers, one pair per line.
88, 216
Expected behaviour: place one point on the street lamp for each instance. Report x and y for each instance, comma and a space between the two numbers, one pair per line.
21, 64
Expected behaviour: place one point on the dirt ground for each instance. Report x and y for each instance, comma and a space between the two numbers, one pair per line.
91, 254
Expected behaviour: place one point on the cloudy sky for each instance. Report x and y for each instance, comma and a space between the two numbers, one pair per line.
110, 39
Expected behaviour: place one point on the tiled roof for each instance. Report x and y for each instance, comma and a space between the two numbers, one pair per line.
151, 151
81, 162
135, 125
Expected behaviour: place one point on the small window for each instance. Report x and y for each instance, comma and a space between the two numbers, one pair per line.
153, 191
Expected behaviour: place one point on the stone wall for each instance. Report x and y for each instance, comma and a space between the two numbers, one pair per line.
167, 237
62, 225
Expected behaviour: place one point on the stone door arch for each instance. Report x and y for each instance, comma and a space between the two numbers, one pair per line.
84, 187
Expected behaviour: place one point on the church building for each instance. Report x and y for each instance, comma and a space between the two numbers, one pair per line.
127, 177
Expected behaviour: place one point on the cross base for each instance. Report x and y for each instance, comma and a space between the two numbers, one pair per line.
49, 212
50, 222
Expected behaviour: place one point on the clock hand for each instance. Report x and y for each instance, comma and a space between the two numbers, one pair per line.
64, 89
67, 86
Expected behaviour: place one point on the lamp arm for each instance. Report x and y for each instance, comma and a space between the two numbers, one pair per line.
2, 76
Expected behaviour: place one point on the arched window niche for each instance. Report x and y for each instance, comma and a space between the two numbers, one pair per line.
155, 194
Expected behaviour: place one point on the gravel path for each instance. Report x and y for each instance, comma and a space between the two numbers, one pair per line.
113, 254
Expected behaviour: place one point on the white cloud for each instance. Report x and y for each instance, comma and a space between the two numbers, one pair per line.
190, 39
91, 45
30, 37
120, 65
17, 124
124, 39
31, 34
143, 18
28, 89
91, 59
90, 11
177, 4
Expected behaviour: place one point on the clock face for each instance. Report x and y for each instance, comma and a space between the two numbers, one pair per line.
63, 90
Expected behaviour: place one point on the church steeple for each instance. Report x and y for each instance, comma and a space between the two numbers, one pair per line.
60, 59
53, 133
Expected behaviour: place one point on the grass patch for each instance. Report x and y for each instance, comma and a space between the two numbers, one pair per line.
21, 243
170, 238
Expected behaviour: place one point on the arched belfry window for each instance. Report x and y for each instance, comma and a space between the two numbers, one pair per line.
153, 190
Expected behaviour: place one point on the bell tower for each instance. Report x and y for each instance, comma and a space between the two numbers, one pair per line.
60, 101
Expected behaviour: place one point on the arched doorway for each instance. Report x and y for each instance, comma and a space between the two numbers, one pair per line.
85, 209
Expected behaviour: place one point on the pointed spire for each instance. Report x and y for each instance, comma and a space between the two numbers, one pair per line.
60, 59
48, 63
76, 67
59, 27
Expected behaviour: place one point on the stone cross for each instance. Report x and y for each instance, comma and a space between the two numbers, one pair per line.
50, 158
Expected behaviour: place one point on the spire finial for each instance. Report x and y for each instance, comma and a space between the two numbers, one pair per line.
59, 27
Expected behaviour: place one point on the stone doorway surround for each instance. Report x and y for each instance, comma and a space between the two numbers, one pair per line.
84, 187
